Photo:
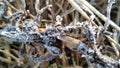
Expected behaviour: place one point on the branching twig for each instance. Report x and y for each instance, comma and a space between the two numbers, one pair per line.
78, 8
7, 2
99, 14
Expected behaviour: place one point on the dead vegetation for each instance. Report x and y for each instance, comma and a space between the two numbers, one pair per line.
60, 34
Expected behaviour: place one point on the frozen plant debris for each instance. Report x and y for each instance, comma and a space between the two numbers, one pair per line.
82, 48
53, 50
90, 31
44, 58
58, 33
30, 26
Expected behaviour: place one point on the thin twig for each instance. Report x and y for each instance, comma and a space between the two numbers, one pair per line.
37, 6
6, 1
23, 4
6, 60
109, 7
99, 14
78, 8
112, 40
9, 54
67, 12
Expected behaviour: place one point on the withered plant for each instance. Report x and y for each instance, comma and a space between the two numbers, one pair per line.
60, 34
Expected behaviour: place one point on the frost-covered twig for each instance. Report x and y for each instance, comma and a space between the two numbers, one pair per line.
95, 57
37, 6
109, 7
3, 9
20, 54
23, 4
44, 58
14, 14
39, 12
99, 14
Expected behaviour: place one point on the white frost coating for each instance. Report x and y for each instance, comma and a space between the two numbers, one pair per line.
109, 7
53, 50
58, 20
45, 58
92, 17
30, 26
